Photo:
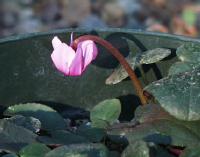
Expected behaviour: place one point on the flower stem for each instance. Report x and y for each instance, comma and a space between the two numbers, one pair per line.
115, 52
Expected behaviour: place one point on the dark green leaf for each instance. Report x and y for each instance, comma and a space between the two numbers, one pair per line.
62, 137
93, 134
65, 137
80, 150
49, 118
189, 52
14, 137
179, 94
29, 123
137, 149
105, 113
34, 150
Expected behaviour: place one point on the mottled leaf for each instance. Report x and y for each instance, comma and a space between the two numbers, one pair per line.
29, 123
48, 117
34, 150
179, 94
120, 73
79, 150
137, 149
147, 57
189, 52
180, 67
152, 56
105, 113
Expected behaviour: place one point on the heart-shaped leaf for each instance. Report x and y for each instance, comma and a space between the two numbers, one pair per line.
34, 150
105, 113
189, 52
48, 117
14, 137
179, 94
80, 150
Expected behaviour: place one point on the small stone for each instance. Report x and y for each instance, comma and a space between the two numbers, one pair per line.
48, 11
28, 26
113, 14
129, 6
97, 5
76, 10
92, 21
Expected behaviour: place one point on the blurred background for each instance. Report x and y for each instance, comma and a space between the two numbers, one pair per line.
174, 16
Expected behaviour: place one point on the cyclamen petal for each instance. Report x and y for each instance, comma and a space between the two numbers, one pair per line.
76, 67
89, 51
56, 42
72, 63
62, 55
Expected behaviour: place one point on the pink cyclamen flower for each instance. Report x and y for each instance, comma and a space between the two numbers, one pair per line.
73, 62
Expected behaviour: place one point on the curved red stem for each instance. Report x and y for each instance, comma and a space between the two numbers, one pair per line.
115, 52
